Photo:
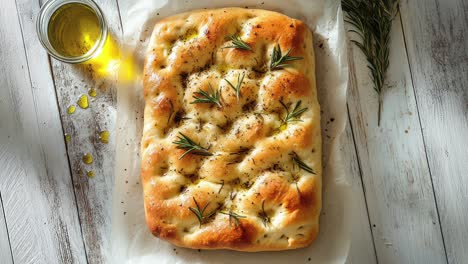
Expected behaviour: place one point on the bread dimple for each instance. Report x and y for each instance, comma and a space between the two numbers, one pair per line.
251, 190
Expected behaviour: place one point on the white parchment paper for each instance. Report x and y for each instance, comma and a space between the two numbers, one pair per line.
131, 240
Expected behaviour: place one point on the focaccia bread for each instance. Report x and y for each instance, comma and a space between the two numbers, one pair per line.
231, 147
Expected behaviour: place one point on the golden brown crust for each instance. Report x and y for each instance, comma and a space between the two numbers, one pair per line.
251, 172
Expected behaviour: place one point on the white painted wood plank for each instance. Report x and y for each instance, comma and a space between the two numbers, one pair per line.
362, 246
5, 249
93, 194
437, 44
35, 184
395, 172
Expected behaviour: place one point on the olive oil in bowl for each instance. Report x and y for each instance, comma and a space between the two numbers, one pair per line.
73, 31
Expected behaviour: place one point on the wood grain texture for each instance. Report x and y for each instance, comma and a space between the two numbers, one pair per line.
437, 45
396, 177
93, 195
35, 183
5, 249
362, 245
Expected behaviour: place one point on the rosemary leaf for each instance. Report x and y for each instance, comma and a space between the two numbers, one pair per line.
294, 115
263, 215
372, 21
170, 113
295, 180
232, 195
222, 186
210, 97
238, 43
184, 142
199, 213
234, 216
237, 88
279, 61
301, 164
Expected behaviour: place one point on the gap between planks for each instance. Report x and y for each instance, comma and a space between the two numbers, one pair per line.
362, 248
5, 248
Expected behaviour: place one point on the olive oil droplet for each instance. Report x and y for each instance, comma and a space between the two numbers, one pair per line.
71, 109
104, 136
83, 101
90, 174
92, 92
190, 34
67, 137
87, 158
74, 30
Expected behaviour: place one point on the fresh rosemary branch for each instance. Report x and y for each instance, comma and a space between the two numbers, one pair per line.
300, 163
237, 88
199, 213
279, 61
238, 43
294, 115
263, 215
190, 146
372, 22
234, 216
210, 97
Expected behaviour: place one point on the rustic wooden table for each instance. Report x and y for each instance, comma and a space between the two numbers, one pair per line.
410, 175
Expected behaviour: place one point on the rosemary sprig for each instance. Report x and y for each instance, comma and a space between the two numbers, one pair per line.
279, 61
263, 215
234, 216
238, 43
238, 86
294, 115
199, 213
190, 146
372, 22
210, 97
301, 164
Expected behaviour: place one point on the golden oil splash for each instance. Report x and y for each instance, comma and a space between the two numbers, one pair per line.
92, 92
112, 62
190, 34
283, 127
74, 30
71, 109
87, 158
67, 137
90, 174
223, 68
83, 101
104, 136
